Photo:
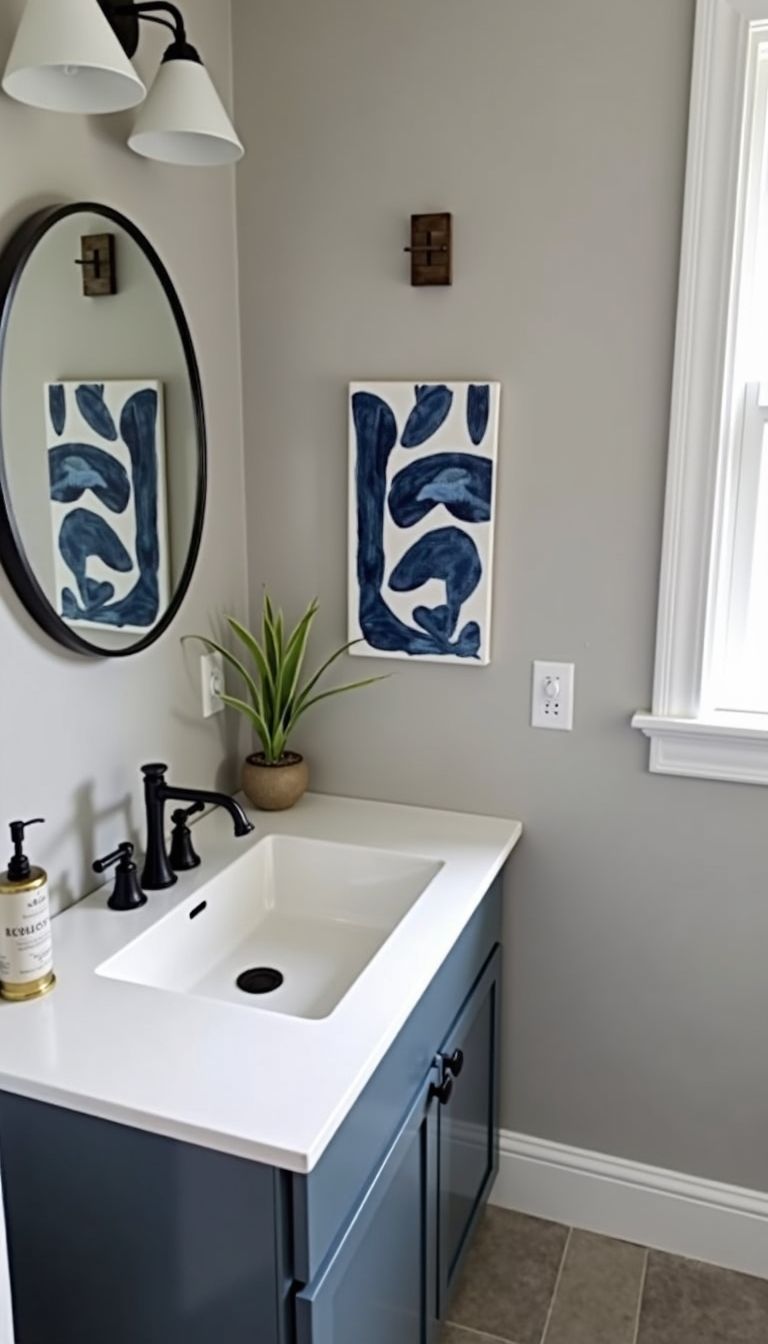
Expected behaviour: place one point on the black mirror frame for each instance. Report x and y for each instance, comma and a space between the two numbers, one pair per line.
13, 260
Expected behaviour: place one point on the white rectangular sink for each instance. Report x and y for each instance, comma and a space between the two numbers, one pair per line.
313, 911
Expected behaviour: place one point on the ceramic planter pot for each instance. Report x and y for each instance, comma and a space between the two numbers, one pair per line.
274, 788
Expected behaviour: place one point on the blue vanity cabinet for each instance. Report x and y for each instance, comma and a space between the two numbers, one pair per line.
468, 1126
323, 1201
144, 1239
389, 1276
379, 1285
118, 1235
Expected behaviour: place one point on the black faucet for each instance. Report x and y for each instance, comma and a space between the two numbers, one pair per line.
158, 872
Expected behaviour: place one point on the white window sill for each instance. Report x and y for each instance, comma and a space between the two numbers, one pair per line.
731, 747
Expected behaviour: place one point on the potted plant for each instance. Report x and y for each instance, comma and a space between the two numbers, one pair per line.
275, 778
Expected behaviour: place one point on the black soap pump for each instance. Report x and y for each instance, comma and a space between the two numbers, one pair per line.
26, 944
19, 868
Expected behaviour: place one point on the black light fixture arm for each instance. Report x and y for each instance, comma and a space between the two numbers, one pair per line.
146, 7
163, 23
125, 21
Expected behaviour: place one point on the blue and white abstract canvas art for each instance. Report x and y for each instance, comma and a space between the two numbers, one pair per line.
106, 468
421, 499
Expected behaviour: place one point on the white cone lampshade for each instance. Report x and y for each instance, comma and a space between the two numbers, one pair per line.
66, 58
184, 120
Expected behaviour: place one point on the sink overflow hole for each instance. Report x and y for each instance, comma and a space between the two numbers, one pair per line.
198, 910
259, 980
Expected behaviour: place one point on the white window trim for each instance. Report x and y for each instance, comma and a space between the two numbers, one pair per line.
684, 739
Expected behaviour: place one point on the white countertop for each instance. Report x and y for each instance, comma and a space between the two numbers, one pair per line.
257, 1084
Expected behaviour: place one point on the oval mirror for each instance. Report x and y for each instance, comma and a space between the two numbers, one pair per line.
102, 431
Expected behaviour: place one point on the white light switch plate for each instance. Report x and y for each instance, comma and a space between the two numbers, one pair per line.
212, 683
552, 697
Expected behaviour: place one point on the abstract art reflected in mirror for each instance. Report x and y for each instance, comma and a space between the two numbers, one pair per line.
106, 462
102, 436
422, 492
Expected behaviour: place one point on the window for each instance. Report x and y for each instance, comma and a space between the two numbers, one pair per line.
735, 673
710, 709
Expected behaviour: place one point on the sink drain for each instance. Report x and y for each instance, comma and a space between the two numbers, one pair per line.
259, 980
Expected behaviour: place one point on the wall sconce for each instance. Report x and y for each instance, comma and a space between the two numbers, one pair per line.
74, 56
99, 267
431, 249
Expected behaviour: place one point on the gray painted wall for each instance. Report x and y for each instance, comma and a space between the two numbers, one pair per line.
73, 732
637, 997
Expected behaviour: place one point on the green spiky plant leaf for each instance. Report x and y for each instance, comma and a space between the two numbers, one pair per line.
274, 695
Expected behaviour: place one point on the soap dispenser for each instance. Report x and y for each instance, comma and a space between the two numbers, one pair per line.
26, 944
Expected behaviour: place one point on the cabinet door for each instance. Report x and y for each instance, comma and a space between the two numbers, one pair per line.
379, 1283
468, 1124
117, 1236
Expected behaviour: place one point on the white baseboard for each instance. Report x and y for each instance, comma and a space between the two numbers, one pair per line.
702, 1220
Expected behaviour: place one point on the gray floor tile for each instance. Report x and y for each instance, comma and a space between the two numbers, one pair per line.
509, 1277
689, 1303
456, 1334
599, 1292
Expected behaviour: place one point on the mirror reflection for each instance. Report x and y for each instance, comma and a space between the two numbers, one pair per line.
102, 432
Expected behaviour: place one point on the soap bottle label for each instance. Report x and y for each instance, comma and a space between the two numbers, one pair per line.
26, 943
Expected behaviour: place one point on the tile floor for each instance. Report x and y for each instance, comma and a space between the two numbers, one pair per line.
531, 1282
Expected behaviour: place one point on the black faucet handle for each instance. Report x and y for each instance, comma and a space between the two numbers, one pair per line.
119, 855
183, 855
180, 816
127, 894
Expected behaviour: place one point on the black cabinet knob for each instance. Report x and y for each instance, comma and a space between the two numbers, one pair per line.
454, 1063
442, 1091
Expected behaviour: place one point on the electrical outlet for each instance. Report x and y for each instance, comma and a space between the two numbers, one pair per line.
552, 698
212, 682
